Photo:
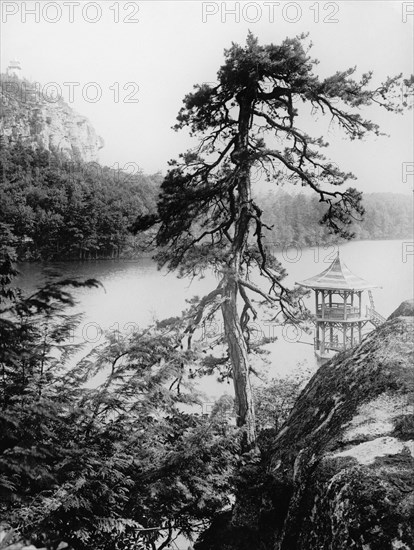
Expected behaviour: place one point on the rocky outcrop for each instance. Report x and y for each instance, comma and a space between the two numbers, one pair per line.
339, 475
405, 309
39, 120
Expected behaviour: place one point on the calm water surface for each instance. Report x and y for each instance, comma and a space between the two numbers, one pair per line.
135, 292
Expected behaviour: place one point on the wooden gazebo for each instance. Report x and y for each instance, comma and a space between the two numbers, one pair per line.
339, 317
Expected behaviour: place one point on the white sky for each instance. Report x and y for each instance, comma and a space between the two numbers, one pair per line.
167, 48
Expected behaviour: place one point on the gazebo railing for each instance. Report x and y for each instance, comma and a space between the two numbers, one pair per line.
376, 318
337, 311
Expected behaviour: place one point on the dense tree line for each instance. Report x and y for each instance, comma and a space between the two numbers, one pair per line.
62, 209
294, 218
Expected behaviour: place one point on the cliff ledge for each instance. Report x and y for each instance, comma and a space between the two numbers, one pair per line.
37, 120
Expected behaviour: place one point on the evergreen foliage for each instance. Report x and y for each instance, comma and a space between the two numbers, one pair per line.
113, 467
62, 209
59, 209
293, 219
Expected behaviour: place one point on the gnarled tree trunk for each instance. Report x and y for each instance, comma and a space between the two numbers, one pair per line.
245, 416
234, 333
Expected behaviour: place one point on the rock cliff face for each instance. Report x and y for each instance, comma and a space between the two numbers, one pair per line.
339, 475
38, 120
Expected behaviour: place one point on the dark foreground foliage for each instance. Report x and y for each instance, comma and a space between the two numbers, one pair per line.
116, 466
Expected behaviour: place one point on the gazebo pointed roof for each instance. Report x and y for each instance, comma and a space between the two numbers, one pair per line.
337, 277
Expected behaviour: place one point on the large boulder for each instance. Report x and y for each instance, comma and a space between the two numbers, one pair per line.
339, 475
405, 309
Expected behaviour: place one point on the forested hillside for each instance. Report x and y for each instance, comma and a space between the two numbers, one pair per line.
294, 218
61, 209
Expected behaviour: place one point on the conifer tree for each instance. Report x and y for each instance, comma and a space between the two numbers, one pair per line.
206, 213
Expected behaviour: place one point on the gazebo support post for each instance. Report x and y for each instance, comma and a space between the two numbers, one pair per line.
323, 339
345, 298
323, 304
317, 339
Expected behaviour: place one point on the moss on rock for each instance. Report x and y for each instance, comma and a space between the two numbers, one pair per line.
339, 474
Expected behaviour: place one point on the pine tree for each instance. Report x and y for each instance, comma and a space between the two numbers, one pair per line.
206, 214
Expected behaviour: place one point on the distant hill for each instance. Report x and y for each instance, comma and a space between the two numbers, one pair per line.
295, 218
62, 209
55, 198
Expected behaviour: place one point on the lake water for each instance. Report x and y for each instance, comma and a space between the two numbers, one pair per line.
135, 293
